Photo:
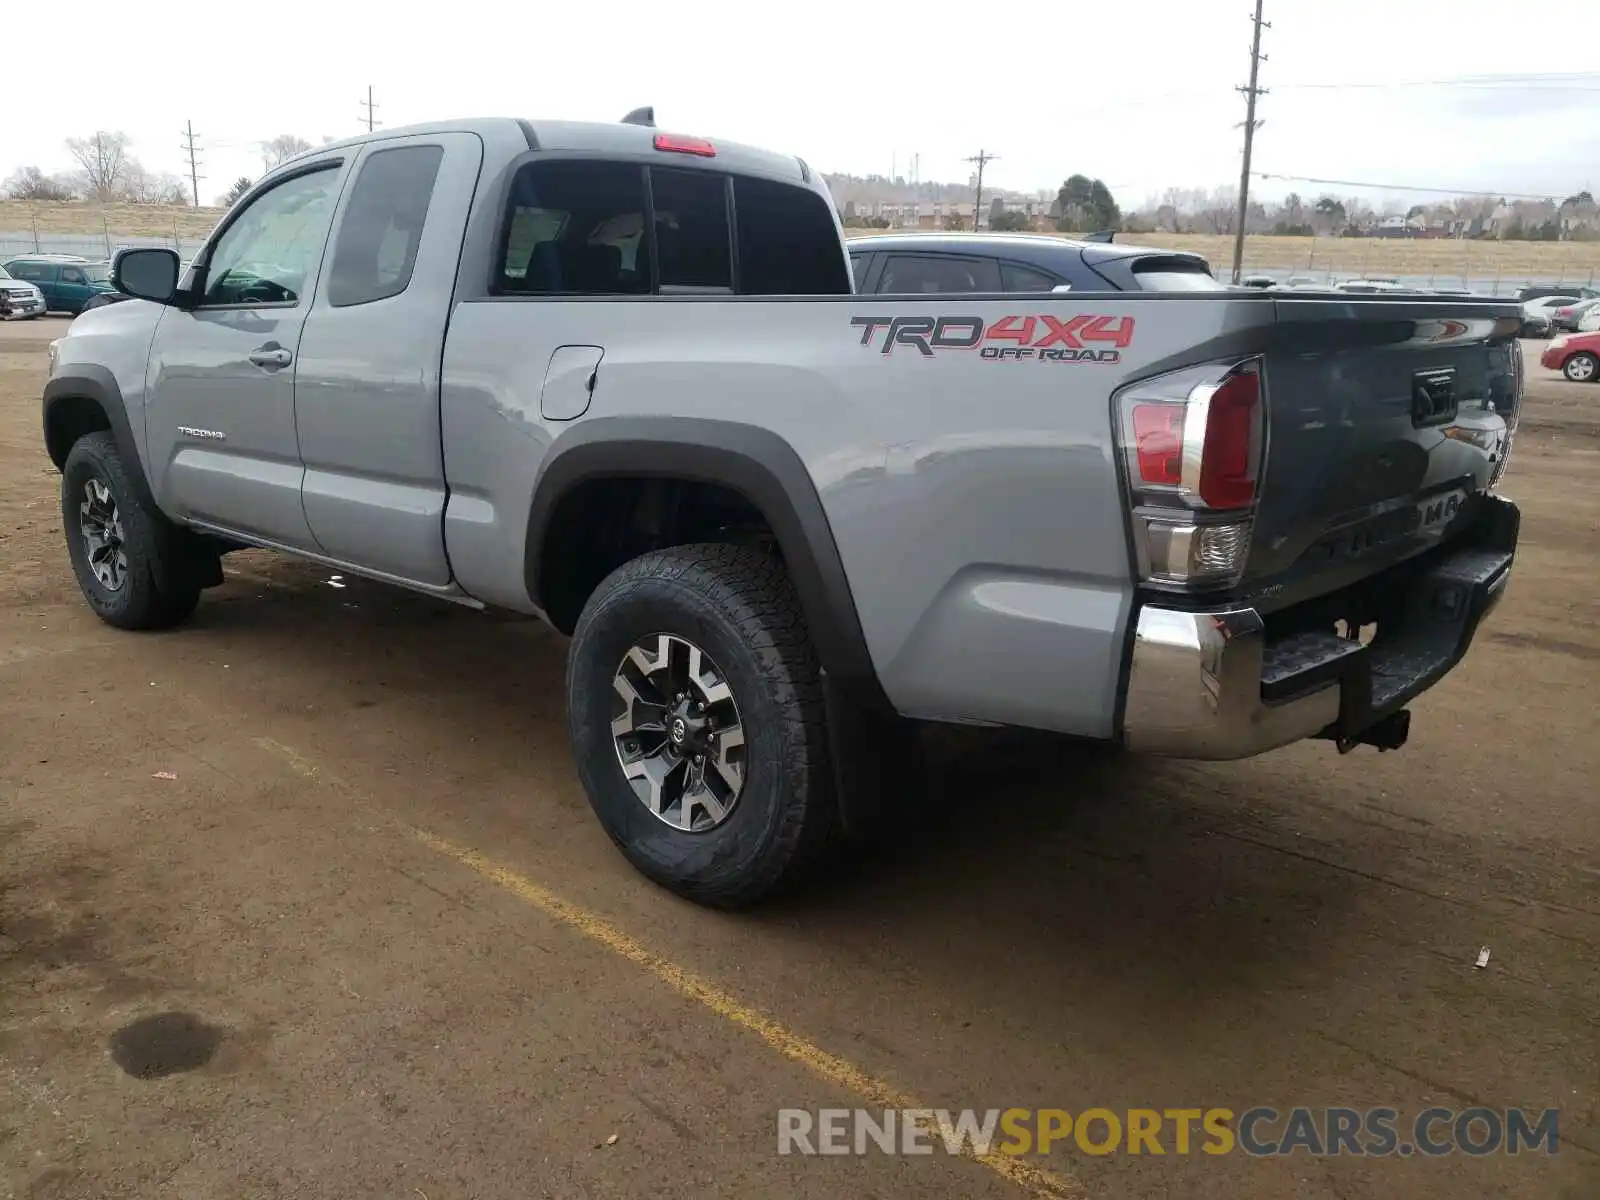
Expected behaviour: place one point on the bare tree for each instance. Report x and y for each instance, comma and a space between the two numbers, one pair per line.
1218, 214
140, 186
281, 149
30, 183
103, 159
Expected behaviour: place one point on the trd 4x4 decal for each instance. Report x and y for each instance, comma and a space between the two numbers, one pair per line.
1043, 338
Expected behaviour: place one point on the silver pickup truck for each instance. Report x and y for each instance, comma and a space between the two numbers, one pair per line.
617, 379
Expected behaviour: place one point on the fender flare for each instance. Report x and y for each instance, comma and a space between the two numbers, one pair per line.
760, 466
88, 381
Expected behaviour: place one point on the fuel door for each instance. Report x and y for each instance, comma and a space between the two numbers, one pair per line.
569, 382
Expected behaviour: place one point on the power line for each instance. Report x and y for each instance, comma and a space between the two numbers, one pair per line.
1250, 127
371, 108
1531, 81
188, 148
1401, 187
983, 159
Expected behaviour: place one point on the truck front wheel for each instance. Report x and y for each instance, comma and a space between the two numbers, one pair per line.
119, 549
697, 720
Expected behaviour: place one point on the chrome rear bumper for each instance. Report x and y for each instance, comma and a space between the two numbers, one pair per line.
1194, 689
1213, 685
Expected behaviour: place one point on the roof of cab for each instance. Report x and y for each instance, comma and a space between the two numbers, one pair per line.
613, 138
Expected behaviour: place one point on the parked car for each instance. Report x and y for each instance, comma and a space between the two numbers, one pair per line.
1258, 281
23, 301
1538, 291
1575, 355
783, 522
1590, 321
67, 283
1538, 314
926, 264
1566, 317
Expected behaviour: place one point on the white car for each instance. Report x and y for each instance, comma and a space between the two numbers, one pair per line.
1590, 321
27, 301
1545, 306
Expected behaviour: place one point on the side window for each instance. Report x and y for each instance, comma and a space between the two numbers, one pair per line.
575, 228
788, 241
914, 274
266, 255
1018, 278
692, 243
33, 271
73, 275
375, 249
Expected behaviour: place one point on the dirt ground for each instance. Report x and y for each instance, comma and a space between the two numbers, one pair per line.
368, 940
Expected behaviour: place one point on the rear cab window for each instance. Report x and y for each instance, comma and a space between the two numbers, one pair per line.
788, 241
578, 227
693, 245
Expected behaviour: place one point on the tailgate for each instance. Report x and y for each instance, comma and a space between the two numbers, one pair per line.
1388, 421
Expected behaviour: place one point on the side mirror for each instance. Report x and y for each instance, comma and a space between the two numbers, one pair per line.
147, 274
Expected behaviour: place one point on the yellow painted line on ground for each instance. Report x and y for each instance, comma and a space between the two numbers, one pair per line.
829, 1067
299, 763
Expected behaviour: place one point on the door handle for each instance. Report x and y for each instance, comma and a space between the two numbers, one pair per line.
270, 355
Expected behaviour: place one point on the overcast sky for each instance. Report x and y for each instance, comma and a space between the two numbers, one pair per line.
1141, 97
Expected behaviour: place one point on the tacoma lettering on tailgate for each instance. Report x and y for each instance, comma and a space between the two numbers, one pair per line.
1041, 338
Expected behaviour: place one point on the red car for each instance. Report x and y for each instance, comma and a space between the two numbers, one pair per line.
1575, 355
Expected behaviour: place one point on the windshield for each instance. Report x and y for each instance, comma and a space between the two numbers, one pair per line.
97, 272
4, 274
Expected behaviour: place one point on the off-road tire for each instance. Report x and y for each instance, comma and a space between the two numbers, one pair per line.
149, 541
740, 608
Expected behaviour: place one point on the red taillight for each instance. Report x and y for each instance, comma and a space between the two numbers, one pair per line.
1228, 461
677, 144
1158, 442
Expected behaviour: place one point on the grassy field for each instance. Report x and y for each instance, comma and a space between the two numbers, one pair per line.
1341, 256
120, 220
1445, 257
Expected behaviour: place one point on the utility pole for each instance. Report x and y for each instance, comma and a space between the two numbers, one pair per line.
371, 109
1250, 127
983, 159
189, 148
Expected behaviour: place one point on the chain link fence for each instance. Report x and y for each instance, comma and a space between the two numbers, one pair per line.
96, 246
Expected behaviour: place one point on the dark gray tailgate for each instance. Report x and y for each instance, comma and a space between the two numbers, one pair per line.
1388, 420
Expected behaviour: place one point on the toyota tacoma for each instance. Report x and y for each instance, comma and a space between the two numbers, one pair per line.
617, 379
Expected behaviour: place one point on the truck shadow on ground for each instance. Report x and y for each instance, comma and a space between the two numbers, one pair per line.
1084, 861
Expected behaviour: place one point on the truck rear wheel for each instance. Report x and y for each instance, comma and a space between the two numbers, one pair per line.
119, 549
696, 712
